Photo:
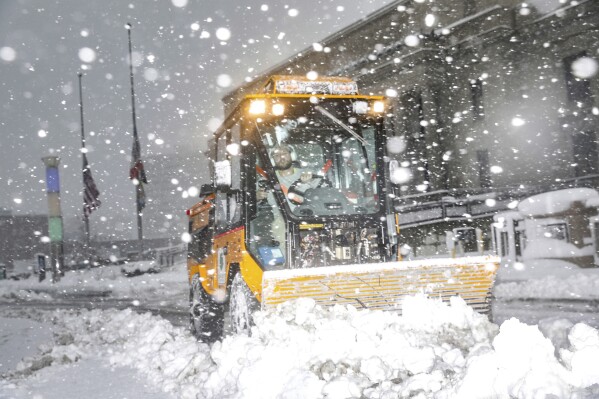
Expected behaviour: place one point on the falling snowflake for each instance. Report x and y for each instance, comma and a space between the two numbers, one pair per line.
517, 121
224, 80
87, 54
8, 54
312, 75
584, 68
412, 41
223, 34
179, 3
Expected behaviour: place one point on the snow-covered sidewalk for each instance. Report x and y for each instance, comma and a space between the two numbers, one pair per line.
169, 287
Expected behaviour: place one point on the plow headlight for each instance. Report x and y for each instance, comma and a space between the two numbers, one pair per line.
378, 107
278, 109
257, 107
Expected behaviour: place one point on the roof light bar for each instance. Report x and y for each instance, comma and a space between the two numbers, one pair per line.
295, 86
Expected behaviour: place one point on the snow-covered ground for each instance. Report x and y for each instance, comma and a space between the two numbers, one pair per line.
167, 288
296, 351
550, 279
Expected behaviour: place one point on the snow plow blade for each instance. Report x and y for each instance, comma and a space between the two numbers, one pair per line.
383, 285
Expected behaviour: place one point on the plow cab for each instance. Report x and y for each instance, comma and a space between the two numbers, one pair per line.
299, 206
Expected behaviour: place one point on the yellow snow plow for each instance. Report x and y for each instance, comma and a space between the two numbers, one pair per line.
299, 206
381, 286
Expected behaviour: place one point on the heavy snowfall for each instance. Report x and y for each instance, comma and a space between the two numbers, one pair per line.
493, 143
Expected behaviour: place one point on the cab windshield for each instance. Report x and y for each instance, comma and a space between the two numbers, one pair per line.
324, 163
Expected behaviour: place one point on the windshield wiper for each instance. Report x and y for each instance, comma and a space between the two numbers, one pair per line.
343, 125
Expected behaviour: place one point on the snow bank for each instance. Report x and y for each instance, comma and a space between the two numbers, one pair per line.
556, 201
579, 283
168, 285
551, 248
301, 350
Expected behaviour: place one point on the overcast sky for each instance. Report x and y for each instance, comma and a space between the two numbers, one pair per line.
187, 53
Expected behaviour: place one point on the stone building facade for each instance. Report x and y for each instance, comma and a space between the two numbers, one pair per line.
495, 101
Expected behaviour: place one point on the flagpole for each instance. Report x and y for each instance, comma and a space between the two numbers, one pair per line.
138, 187
85, 215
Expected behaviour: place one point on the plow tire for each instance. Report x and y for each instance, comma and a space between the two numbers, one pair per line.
206, 315
242, 306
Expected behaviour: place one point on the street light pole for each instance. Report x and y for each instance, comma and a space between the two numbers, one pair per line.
85, 215
138, 188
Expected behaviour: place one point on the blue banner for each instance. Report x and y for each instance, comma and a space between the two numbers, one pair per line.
52, 182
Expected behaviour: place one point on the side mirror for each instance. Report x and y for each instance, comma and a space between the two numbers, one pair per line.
206, 189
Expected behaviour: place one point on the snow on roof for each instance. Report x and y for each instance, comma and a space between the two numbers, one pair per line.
556, 201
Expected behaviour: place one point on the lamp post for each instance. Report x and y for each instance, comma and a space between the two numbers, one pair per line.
54, 217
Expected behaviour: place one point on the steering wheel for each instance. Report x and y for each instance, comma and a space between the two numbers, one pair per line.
297, 196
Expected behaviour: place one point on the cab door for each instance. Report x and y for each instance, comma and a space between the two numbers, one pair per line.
228, 202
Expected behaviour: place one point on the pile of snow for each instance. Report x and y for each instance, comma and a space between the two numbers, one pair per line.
301, 350
536, 271
8, 293
546, 279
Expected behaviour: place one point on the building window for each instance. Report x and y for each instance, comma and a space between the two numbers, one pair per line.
414, 125
476, 93
469, 7
466, 240
596, 225
579, 90
484, 175
505, 245
586, 155
519, 238
584, 138
556, 231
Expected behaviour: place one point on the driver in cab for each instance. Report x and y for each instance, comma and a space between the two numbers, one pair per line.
294, 182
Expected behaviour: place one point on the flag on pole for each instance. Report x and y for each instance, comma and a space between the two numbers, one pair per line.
91, 194
138, 172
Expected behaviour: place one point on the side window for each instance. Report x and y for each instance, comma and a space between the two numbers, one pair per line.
477, 107
229, 201
221, 196
201, 244
201, 230
234, 154
484, 171
267, 228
